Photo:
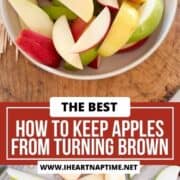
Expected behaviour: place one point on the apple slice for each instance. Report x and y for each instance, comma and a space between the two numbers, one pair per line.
77, 28
124, 25
151, 13
39, 47
22, 24
94, 33
63, 41
20, 175
33, 16
114, 4
169, 173
83, 9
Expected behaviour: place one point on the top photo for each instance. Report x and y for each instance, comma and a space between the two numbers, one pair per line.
89, 48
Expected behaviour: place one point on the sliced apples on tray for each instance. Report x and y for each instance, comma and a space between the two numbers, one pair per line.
82, 32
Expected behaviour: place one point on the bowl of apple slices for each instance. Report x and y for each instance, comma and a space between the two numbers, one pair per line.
88, 39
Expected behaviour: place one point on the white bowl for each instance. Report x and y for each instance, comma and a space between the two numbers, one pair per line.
110, 66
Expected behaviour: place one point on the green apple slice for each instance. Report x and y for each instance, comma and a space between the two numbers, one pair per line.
20, 175
151, 13
63, 41
84, 9
86, 58
169, 173
55, 12
33, 16
124, 25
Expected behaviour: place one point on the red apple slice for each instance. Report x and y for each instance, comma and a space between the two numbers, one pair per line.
132, 46
109, 3
38, 38
96, 63
42, 52
94, 33
63, 42
77, 27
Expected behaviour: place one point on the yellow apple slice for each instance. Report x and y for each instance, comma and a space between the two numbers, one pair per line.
63, 42
82, 8
33, 16
124, 25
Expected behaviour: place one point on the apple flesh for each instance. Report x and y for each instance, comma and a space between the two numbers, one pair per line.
125, 23
77, 28
114, 4
83, 9
86, 58
169, 173
22, 24
39, 47
33, 16
151, 13
63, 42
94, 33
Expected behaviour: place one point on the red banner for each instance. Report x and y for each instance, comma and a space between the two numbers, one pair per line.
28, 134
